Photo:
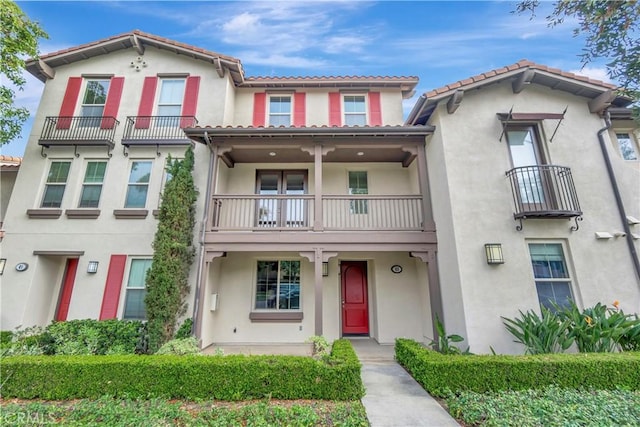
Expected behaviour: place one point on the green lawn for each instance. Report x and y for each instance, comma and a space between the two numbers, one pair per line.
551, 406
161, 412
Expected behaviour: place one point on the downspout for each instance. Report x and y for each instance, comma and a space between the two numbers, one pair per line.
616, 193
196, 329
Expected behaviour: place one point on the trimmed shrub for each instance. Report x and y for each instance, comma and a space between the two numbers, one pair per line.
88, 336
184, 331
5, 337
233, 377
439, 373
180, 347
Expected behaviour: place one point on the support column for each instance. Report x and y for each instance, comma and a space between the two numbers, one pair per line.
318, 292
435, 294
317, 207
200, 293
425, 189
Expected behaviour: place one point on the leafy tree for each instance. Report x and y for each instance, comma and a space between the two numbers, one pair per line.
19, 40
612, 30
167, 279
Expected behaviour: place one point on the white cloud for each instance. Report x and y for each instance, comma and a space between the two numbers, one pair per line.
597, 73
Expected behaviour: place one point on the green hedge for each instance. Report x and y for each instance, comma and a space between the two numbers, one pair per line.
438, 373
234, 377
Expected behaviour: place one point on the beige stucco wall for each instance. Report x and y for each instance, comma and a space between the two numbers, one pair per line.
398, 303
98, 238
473, 205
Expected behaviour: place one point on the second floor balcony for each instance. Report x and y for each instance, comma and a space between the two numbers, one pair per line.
79, 130
543, 191
298, 213
157, 130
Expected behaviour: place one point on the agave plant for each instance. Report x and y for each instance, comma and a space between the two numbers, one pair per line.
540, 335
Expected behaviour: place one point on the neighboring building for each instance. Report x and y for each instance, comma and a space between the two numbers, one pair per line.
320, 212
530, 143
9, 167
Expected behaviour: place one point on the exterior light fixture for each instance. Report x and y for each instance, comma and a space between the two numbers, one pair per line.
3, 262
360, 153
493, 251
272, 153
325, 269
92, 267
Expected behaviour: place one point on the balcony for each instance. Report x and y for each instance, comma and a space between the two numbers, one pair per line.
157, 130
543, 191
78, 130
297, 213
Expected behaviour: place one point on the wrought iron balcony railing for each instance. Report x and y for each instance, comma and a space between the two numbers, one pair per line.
155, 130
543, 191
78, 130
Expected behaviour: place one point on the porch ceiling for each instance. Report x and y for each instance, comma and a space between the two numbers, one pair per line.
289, 154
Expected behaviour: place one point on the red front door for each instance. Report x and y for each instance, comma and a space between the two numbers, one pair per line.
355, 309
68, 280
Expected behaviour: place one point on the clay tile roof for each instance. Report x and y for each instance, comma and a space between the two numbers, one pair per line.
10, 162
524, 63
140, 34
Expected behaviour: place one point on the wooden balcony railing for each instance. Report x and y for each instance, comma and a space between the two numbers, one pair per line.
155, 129
543, 191
296, 212
78, 130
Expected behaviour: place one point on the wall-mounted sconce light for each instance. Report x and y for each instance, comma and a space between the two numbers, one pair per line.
92, 267
3, 262
493, 252
325, 269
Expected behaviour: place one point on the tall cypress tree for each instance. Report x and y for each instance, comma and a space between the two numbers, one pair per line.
168, 278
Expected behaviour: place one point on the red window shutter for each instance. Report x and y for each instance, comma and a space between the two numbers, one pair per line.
375, 111
190, 103
112, 103
112, 287
146, 101
335, 112
299, 109
69, 102
259, 109
67, 289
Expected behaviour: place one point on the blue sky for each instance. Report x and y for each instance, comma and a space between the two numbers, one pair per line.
440, 42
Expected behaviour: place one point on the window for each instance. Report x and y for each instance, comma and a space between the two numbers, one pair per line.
56, 183
278, 285
358, 185
95, 96
526, 154
280, 111
627, 146
553, 282
170, 102
355, 112
92, 185
134, 307
281, 212
138, 184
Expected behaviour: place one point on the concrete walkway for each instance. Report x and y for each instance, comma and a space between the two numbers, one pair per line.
392, 396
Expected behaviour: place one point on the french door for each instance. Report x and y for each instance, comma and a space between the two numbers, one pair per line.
281, 208
527, 158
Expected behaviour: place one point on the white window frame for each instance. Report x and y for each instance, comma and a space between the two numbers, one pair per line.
48, 184
567, 263
95, 122
92, 184
277, 309
126, 286
271, 114
364, 113
129, 183
633, 139
358, 206
170, 122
